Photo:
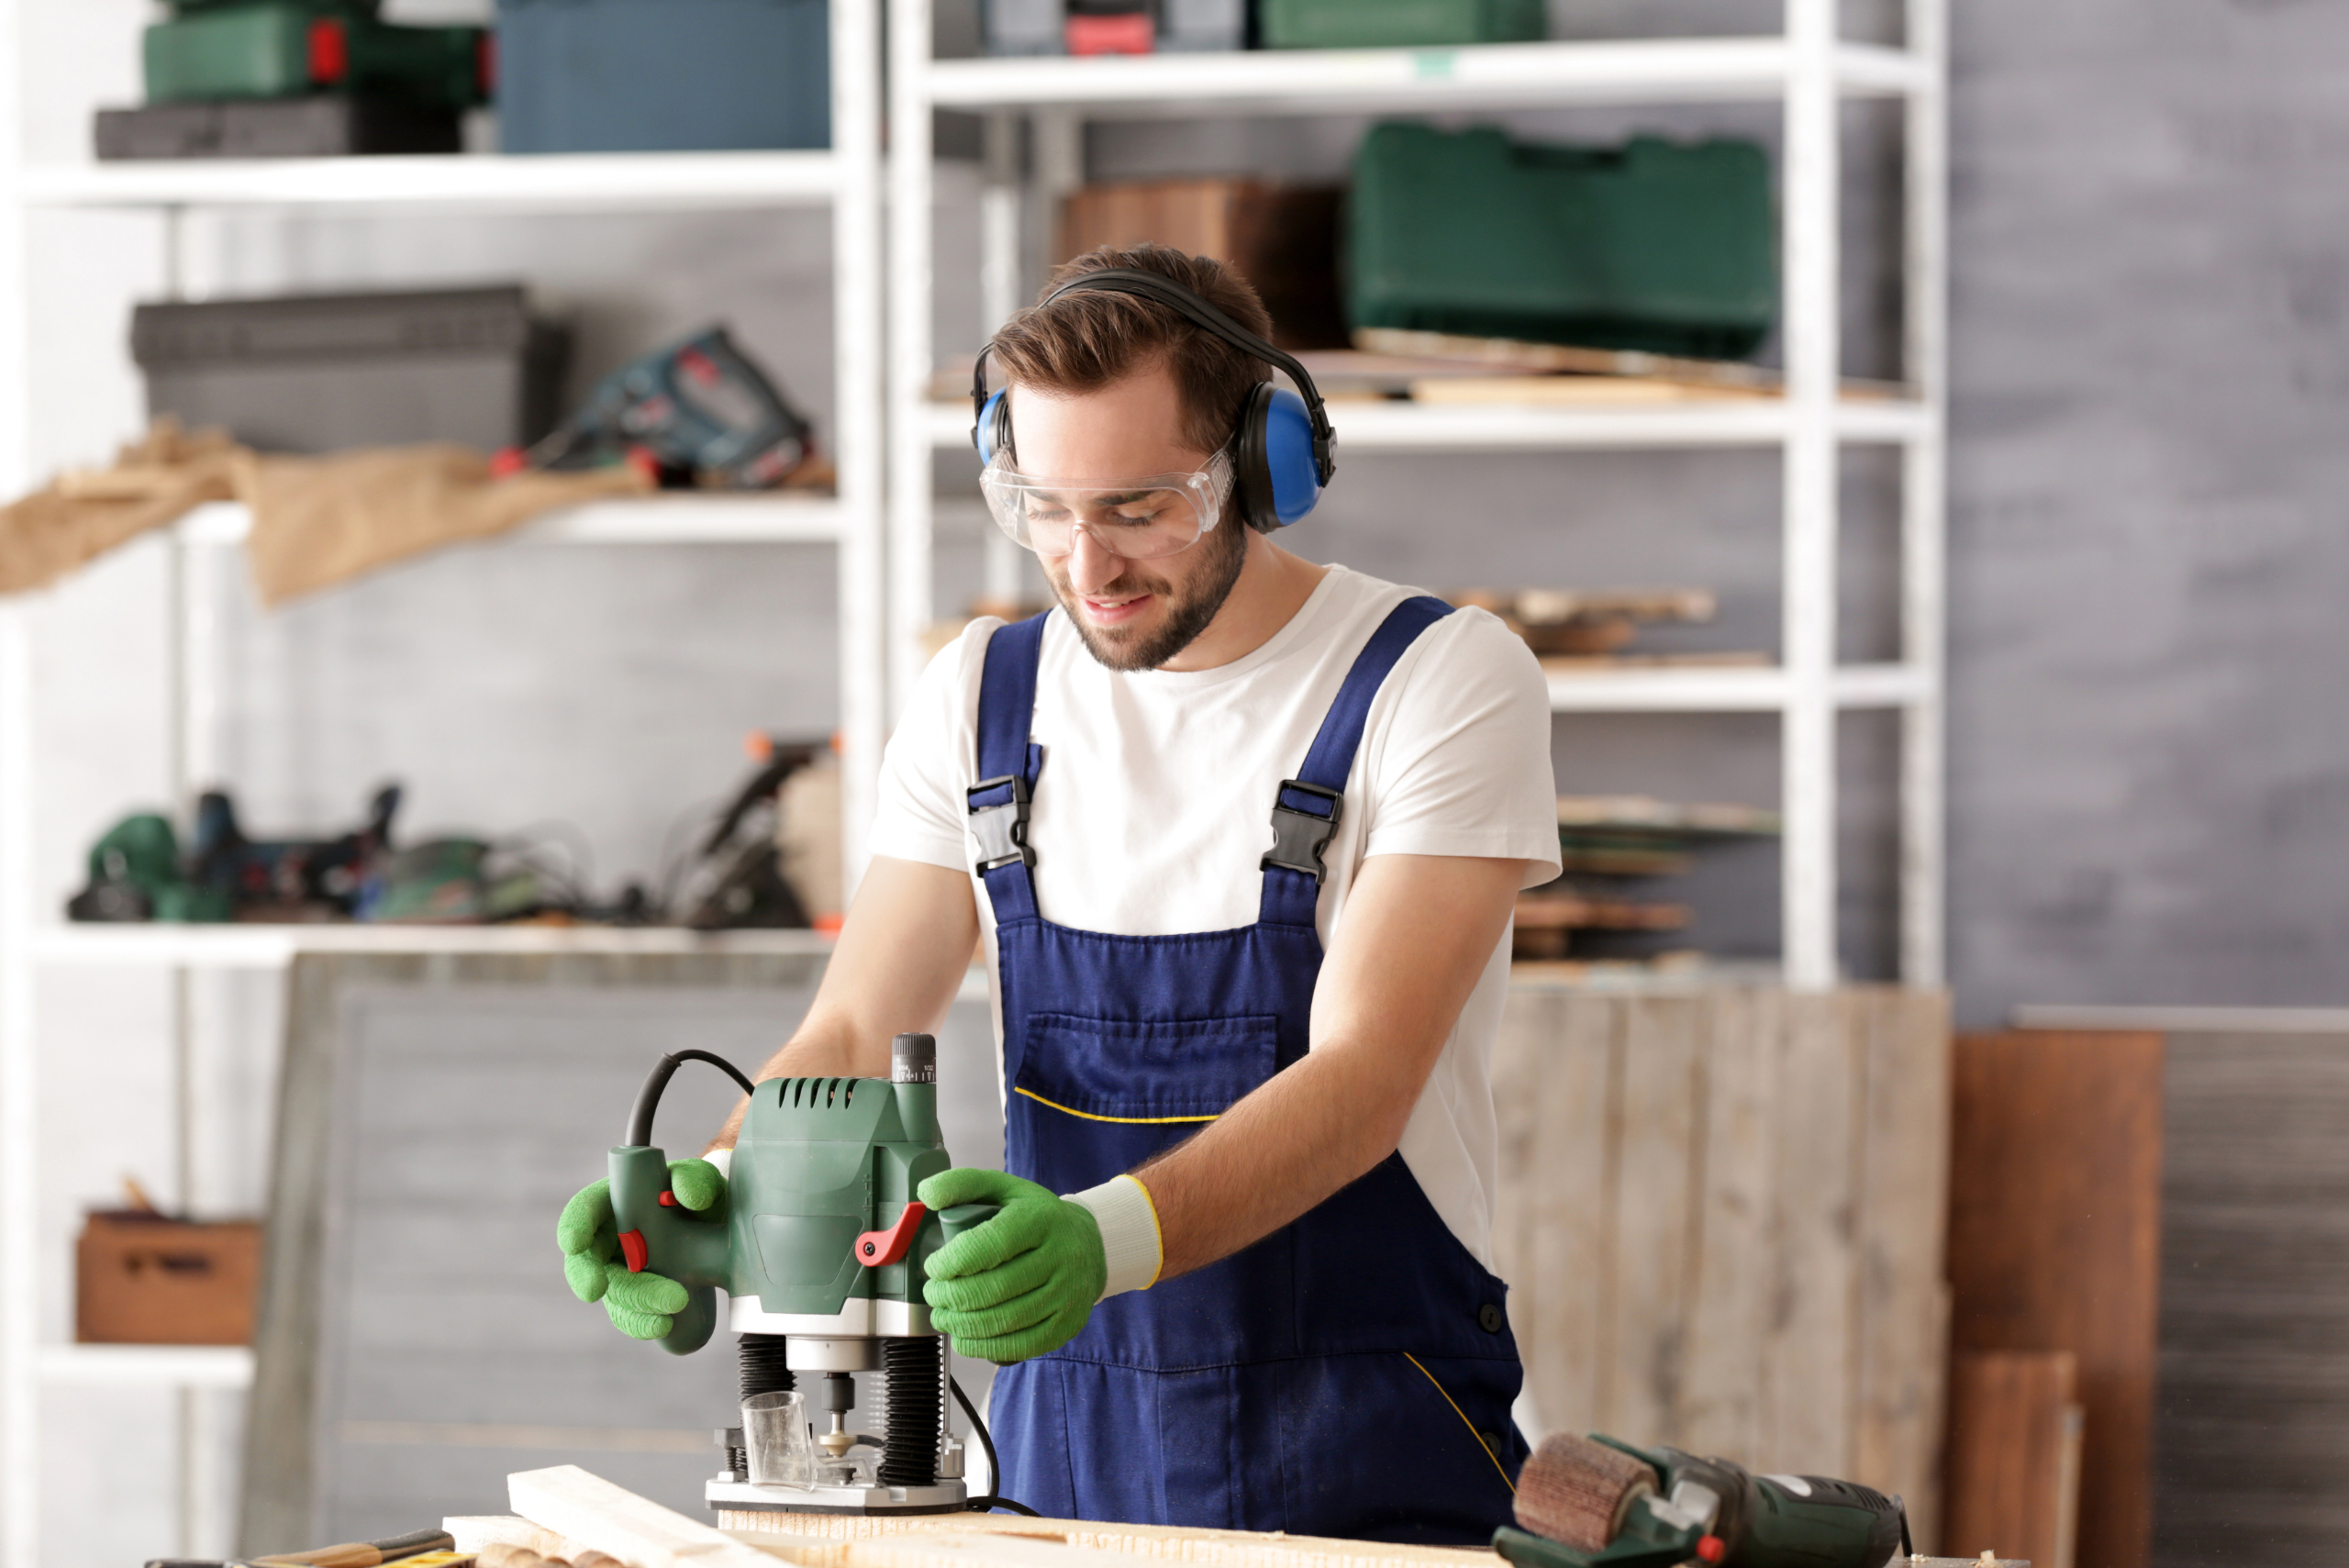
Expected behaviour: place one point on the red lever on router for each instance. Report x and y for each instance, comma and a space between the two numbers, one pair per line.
632, 1248
876, 1248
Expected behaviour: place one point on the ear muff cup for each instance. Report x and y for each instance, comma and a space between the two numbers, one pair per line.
1279, 482
992, 433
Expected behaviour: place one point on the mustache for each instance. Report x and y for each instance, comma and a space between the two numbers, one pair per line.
1128, 581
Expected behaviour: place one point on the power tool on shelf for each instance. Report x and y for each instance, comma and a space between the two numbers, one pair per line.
1597, 1503
819, 1246
699, 410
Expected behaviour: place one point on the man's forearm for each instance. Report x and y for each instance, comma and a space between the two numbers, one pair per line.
826, 1046
1280, 1151
901, 956
1418, 933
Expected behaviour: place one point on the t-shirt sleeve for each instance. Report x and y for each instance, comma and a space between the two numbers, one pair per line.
921, 813
1463, 763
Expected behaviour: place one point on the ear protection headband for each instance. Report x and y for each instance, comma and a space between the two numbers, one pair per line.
1284, 450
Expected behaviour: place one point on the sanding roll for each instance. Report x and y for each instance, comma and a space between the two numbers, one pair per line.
1576, 1491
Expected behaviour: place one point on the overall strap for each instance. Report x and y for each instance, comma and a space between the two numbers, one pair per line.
1008, 763
1307, 809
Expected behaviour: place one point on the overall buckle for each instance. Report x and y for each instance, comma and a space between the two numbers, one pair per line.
1001, 827
1299, 836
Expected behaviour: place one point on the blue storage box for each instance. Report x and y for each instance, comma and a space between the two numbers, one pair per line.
662, 75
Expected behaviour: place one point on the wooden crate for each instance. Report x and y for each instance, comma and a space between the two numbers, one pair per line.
1721, 1215
1282, 238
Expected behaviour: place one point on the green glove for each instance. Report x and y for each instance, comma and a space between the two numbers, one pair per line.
640, 1305
1023, 1283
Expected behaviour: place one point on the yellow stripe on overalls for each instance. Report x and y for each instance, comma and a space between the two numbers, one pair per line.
1125, 1120
1465, 1422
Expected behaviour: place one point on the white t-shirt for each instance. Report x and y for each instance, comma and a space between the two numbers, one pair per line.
1153, 809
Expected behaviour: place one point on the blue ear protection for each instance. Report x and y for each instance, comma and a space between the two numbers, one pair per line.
1284, 450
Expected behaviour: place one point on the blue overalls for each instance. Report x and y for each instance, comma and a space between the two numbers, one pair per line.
1350, 1374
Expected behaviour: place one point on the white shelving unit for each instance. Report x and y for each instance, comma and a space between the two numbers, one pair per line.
845, 180
1810, 71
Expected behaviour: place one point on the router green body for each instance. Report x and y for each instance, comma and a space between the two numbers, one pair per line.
819, 1164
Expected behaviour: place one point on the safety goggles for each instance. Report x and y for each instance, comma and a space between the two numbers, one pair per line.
1139, 519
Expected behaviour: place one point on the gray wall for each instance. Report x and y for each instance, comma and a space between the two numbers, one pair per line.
2151, 784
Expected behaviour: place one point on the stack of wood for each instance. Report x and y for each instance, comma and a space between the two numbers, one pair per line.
1577, 630
1608, 842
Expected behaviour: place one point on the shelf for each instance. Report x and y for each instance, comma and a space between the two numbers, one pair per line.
1381, 426
1407, 80
575, 182
669, 518
146, 1366
1765, 689
273, 947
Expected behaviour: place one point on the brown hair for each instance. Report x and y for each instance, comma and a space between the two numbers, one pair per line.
1083, 341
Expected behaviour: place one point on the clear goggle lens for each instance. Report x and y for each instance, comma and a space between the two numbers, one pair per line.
1138, 519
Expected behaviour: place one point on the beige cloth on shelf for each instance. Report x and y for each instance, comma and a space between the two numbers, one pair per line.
80, 517
317, 521
322, 520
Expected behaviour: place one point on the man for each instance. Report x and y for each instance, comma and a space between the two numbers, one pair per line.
1239, 1278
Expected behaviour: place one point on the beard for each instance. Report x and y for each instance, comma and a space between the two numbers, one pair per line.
1187, 613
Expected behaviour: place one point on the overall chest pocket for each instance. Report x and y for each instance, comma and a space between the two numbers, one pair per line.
1163, 1070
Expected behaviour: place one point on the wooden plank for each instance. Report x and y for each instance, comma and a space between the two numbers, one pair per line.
821, 1541
2009, 1411
571, 1502
2255, 1298
1529, 1033
1203, 1548
1806, 1420
2055, 1240
1573, 1214
1720, 1406
1655, 1237
1903, 1132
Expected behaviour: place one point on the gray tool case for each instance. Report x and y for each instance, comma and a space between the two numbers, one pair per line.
323, 372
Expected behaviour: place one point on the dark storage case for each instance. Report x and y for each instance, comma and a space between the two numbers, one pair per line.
1657, 245
662, 75
1398, 24
328, 127
322, 372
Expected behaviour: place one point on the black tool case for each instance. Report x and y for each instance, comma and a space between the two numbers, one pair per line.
326, 126
323, 372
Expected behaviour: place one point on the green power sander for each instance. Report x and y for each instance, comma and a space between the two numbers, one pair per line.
1597, 1503
819, 1246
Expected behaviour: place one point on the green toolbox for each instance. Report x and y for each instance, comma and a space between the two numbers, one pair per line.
284, 49
1669, 247
1397, 23
315, 7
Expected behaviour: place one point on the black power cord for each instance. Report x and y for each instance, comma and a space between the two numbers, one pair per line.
995, 1473
647, 1100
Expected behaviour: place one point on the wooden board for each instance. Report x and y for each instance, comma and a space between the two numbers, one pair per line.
1721, 1219
1203, 1548
565, 1510
2254, 1409
2014, 1455
1720, 1412
1903, 1300
2055, 1227
587, 1508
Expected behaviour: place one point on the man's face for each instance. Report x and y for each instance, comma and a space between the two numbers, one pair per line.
1133, 615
